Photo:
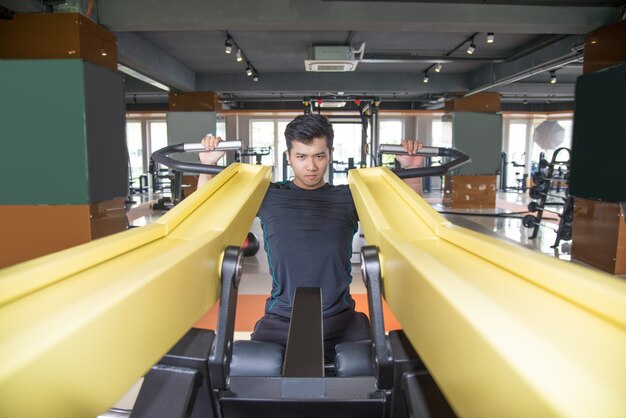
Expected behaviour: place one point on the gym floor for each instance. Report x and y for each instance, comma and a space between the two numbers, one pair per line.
503, 222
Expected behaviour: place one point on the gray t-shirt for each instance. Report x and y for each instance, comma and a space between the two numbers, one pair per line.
308, 239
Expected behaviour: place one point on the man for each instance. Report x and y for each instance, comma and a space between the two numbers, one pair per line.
308, 227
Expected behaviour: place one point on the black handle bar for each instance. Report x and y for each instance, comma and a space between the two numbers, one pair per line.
459, 159
162, 156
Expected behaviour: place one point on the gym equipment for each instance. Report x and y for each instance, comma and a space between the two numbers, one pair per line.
179, 167
251, 245
520, 177
458, 159
257, 152
366, 109
543, 180
504, 351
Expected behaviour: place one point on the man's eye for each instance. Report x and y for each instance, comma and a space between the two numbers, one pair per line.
321, 157
300, 157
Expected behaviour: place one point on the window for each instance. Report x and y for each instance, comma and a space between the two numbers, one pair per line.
347, 144
134, 142
516, 154
390, 132
270, 133
441, 134
158, 135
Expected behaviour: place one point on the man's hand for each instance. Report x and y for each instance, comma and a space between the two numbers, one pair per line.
212, 157
410, 161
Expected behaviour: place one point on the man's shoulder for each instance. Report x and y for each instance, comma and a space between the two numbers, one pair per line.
284, 185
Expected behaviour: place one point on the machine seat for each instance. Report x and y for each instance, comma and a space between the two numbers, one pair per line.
354, 359
257, 358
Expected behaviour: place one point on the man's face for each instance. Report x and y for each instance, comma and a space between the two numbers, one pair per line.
309, 162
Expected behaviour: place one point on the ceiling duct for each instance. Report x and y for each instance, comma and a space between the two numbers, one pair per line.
333, 58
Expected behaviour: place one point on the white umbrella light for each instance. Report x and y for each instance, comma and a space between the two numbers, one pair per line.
549, 134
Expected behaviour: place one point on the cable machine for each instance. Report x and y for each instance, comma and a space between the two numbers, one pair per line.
355, 109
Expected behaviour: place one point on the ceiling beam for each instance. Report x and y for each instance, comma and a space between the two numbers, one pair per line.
193, 15
142, 56
537, 89
557, 54
360, 83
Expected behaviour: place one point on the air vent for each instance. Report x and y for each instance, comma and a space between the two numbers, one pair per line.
330, 66
331, 59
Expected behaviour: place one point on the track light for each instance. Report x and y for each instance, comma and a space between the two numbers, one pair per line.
248, 70
426, 77
471, 48
490, 37
239, 55
438, 67
228, 46
553, 77
255, 77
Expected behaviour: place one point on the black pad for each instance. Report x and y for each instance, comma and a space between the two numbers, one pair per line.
354, 359
257, 358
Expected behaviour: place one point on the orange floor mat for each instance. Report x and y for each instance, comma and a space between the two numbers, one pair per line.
251, 307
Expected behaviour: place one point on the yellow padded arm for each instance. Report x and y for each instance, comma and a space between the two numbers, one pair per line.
505, 332
79, 327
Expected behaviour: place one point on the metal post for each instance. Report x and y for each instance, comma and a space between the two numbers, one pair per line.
375, 132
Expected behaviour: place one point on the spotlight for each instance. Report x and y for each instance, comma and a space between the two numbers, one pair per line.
553, 77
255, 77
239, 57
471, 48
426, 78
248, 71
438, 67
228, 46
490, 37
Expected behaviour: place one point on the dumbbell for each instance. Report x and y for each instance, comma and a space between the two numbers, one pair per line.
540, 190
537, 191
529, 221
539, 177
533, 207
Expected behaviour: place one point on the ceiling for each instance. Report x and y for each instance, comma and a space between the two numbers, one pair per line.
181, 45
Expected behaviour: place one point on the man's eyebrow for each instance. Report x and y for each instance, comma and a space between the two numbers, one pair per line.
319, 153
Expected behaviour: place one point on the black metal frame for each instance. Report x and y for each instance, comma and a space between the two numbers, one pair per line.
162, 157
221, 354
458, 159
371, 272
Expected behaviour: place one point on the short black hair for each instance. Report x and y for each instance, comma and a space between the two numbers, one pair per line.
305, 128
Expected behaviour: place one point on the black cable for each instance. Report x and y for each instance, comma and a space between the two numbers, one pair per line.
516, 215
495, 215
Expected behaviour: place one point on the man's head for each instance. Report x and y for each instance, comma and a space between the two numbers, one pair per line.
305, 128
309, 147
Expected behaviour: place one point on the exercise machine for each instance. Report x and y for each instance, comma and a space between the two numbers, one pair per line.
383, 377
485, 316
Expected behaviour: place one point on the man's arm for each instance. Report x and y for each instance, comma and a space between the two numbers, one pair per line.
209, 158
